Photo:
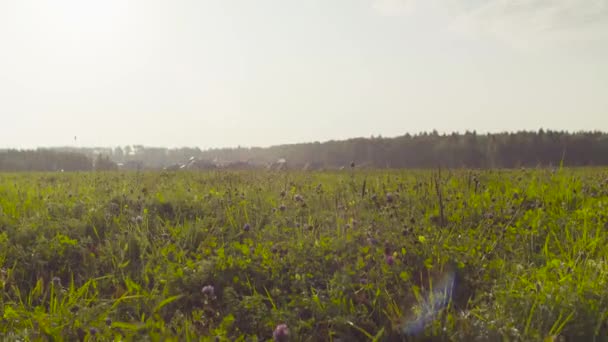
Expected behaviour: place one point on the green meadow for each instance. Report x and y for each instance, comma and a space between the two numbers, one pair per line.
448, 255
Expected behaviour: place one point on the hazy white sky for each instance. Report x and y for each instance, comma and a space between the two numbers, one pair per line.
227, 72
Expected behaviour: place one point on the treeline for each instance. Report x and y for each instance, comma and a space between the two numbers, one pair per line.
51, 160
428, 150
424, 150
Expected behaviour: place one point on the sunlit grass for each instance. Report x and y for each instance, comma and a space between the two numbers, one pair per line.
353, 255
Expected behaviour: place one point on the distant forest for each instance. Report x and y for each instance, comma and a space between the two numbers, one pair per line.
52, 160
425, 150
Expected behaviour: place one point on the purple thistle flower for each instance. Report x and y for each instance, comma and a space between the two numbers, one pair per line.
281, 333
209, 290
246, 227
390, 260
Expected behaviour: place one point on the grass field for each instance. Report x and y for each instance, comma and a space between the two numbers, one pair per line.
343, 256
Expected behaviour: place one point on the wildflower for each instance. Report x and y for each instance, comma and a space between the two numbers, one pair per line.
352, 164
209, 290
390, 260
246, 227
56, 281
281, 333
389, 197
298, 198
93, 331
81, 334
108, 321
282, 207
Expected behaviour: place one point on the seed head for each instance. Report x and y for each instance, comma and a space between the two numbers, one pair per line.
281, 333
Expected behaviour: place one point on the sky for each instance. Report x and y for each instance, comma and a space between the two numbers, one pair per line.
227, 73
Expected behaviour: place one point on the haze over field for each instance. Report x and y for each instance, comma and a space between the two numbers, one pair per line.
259, 73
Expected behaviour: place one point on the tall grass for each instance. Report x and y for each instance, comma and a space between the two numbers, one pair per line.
354, 255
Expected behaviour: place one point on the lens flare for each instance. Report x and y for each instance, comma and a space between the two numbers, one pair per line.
429, 307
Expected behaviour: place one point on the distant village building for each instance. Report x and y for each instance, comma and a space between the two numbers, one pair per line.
279, 165
131, 165
200, 164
